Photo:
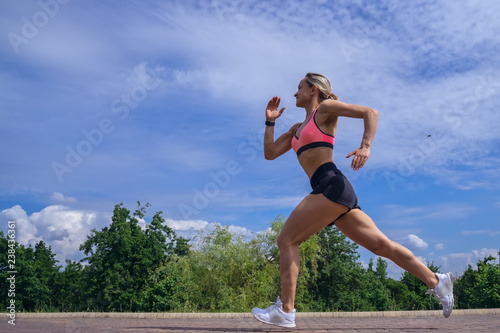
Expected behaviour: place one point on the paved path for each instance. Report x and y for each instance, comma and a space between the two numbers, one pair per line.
461, 321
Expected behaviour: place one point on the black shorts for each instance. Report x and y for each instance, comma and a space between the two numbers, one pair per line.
331, 182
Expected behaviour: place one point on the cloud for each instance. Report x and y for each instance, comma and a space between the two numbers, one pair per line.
56, 196
488, 232
26, 231
60, 227
190, 229
439, 246
415, 243
65, 229
458, 262
265, 202
216, 82
416, 215
187, 226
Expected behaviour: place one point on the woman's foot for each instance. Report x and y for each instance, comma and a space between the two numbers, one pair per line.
444, 292
274, 315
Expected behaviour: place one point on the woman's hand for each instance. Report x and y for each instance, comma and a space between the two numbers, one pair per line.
272, 112
360, 157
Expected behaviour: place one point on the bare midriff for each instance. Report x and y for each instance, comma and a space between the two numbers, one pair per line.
312, 159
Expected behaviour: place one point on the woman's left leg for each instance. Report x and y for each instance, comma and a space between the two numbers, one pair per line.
361, 229
312, 214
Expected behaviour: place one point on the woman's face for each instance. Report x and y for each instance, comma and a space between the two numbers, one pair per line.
303, 94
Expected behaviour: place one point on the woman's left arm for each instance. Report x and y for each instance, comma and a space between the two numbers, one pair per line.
370, 117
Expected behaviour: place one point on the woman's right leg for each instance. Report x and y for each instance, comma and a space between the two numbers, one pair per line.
361, 229
310, 216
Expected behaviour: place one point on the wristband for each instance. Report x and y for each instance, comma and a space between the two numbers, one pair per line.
269, 123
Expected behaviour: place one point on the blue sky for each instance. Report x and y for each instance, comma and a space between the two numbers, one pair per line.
163, 102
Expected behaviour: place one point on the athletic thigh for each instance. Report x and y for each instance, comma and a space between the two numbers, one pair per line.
311, 215
361, 229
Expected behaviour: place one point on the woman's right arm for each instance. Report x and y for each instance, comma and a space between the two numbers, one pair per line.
273, 149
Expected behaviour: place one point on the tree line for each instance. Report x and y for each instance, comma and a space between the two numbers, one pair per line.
130, 268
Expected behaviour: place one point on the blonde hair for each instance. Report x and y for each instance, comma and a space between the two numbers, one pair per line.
324, 86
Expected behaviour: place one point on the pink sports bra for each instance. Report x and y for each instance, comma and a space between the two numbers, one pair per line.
311, 137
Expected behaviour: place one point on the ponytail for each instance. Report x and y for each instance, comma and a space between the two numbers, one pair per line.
324, 86
333, 96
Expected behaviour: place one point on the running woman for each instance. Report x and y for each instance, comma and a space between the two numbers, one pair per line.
332, 200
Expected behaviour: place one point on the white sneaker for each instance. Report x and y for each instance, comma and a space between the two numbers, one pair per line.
444, 292
275, 315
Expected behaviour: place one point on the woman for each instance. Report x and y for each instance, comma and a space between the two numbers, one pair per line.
332, 198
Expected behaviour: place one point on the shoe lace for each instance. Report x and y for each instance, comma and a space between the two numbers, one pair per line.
436, 294
273, 304
432, 292
277, 301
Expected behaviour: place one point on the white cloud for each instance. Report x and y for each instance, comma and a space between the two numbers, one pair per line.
216, 82
488, 232
415, 243
261, 202
57, 196
26, 231
60, 227
416, 215
65, 229
363, 264
457, 263
190, 229
187, 224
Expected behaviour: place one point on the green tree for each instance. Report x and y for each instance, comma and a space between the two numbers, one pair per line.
376, 286
122, 256
399, 295
70, 288
226, 272
45, 269
341, 280
169, 288
480, 288
381, 270
36, 272
418, 300
229, 273
7, 258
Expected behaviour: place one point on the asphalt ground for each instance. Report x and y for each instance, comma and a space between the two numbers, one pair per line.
484, 320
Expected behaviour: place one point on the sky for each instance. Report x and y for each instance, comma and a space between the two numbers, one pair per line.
162, 102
